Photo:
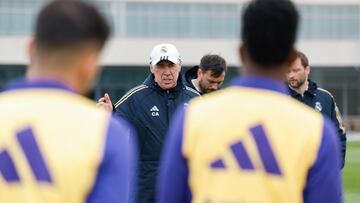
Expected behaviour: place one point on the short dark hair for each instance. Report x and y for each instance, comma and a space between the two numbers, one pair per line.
269, 31
213, 63
64, 24
303, 58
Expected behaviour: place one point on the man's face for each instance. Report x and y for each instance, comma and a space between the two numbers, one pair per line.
166, 74
297, 74
209, 83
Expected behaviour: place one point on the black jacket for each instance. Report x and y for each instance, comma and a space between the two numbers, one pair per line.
322, 101
149, 109
190, 75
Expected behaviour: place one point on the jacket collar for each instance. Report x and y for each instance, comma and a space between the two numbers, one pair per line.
23, 83
191, 73
150, 82
260, 83
312, 87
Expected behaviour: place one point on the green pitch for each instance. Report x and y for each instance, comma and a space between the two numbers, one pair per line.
351, 174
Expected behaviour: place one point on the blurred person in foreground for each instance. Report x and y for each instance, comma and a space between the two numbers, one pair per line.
208, 76
257, 149
56, 146
307, 91
149, 107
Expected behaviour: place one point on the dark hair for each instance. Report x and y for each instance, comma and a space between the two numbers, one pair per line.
304, 60
269, 31
213, 63
67, 23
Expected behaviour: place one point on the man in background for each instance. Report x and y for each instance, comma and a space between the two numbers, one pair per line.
208, 76
55, 145
306, 91
263, 146
149, 107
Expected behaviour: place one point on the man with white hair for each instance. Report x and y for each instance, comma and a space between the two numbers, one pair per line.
149, 107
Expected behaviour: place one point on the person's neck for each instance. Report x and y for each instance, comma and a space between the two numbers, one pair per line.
302, 89
273, 73
67, 78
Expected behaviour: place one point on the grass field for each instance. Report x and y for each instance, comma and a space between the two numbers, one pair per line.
351, 174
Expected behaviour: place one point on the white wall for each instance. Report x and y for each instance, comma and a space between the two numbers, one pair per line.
136, 51
342, 2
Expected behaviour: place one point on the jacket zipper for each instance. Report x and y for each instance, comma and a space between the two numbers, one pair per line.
167, 106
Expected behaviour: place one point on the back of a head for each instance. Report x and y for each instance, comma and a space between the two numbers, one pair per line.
64, 25
213, 63
269, 31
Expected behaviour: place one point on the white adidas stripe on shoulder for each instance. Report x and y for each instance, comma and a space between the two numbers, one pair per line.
324, 90
337, 112
129, 93
192, 90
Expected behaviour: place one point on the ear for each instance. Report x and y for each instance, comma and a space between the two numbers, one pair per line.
199, 73
31, 50
90, 59
242, 54
307, 69
88, 68
151, 68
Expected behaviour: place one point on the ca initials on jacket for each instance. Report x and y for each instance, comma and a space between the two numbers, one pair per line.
154, 111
